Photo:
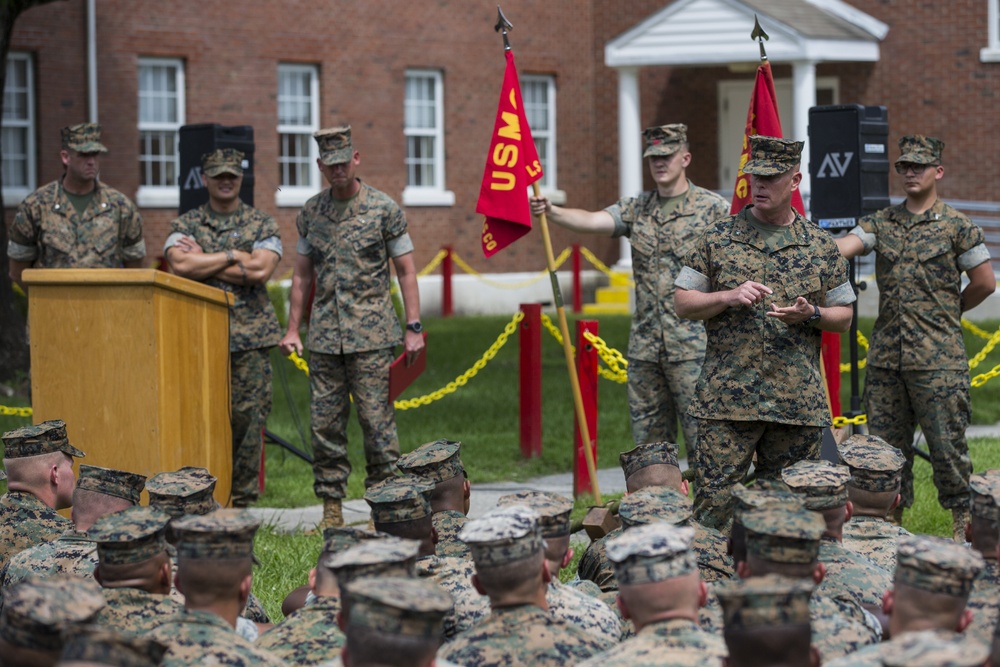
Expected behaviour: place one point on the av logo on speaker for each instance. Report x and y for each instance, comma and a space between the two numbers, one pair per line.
833, 166
193, 180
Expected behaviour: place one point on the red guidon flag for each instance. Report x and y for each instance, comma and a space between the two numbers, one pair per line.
762, 119
511, 166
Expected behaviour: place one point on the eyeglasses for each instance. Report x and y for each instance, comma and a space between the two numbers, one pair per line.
917, 169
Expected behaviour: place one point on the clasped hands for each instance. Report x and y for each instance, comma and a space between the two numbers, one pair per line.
752, 293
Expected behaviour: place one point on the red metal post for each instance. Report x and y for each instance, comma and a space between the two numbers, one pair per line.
830, 358
577, 284
530, 342
447, 308
260, 473
586, 367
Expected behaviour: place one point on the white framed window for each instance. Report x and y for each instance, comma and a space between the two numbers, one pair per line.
423, 127
298, 117
991, 52
18, 167
539, 95
161, 114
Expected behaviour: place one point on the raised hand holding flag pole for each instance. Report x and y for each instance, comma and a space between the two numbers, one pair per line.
511, 166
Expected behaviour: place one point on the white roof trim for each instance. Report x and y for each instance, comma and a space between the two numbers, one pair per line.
717, 32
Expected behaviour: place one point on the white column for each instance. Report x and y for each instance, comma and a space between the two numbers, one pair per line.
804, 97
629, 148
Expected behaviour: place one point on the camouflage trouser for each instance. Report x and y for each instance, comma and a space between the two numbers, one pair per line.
725, 451
250, 381
658, 395
333, 378
897, 401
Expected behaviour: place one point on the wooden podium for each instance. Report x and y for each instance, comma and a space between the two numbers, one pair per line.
136, 361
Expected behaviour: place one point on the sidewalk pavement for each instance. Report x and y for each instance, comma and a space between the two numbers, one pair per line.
485, 496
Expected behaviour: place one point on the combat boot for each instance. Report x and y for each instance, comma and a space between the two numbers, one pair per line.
959, 520
333, 514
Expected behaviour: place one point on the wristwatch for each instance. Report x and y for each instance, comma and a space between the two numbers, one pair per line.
814, 316
415, 327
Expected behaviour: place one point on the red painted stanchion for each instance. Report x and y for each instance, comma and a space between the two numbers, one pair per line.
586, 367
260, 473
447, 309
529, 338
577, 283
830, 358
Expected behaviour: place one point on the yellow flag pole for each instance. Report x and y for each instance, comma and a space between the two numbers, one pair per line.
502, 26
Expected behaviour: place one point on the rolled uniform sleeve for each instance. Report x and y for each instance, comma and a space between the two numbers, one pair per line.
400, 245
172, 241
867, 236
622, 228
133, 245
690, 279
272, 243
22, 246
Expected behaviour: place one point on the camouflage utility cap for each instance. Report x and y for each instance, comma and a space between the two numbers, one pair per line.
399, 606
822, 484
503, 535
111, 482
83, 138
651, 553
984, 489
770, 156
918, 149
99, 645
937, 565
335, 145
664, 139
45, 438
935, 648
436, 461
784, 534
131, 536
553, 510
748, 499
654, 503
392, 556
764, 602
185, 491
650, 454
224, 533
875, 464
223, 161
36, 611
398, 499
341, 538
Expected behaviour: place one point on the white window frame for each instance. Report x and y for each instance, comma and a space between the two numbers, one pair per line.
548, 184
14, 195
429, 195
298, 195
991, 52
164, 196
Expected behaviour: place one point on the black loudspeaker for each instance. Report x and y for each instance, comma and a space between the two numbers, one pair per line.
195, 141
848, 163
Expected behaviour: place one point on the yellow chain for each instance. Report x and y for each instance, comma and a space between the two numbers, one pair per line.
15, 412
981, 379
462, 264
433, 264
617, 364
615, 375
452, 386
598, 264
863, 344
991, 343
841, 422
973, 329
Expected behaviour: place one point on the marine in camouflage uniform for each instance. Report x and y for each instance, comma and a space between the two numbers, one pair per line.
50, 231
659, 503
37, 612
347, 235
234, 247
131, 548
849, 575
665, 352
565, 602
657, 572
926, 565
26, 521
876, 470
197, 636
440, 462
94, 645
517, 632
767, 620
767, 282
984, 599
917, 372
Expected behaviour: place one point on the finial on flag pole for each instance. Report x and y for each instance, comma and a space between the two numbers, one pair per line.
503, 25
758, 34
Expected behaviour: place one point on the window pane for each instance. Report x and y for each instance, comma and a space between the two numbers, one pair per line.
15, 157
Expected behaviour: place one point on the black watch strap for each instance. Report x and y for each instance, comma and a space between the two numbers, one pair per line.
815, 316
415, 327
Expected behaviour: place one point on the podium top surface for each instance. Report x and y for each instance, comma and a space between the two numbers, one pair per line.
127, 277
